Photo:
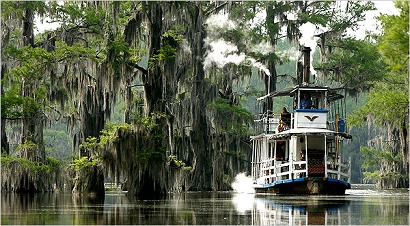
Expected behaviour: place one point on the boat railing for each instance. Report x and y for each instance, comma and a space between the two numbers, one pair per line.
282, 171
267, 123
339, 170
269, 172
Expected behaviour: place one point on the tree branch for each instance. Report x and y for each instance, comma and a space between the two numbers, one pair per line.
216, 8
134, 65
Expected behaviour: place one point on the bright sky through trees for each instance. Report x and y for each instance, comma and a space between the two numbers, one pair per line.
370, 24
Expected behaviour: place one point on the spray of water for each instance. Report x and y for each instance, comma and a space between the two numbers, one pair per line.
243, 202
244, 196
243, 184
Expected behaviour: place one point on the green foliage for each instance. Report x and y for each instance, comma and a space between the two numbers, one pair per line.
173, 160
375, 162
117, 49
32, 59
26, 86
14, 106
57, 143
355, 64
171, 40
97, 146
27, 145
10, 8
394, 42
149, 123
385, 106
322, 15
355, 12
84, 162
126, 11
51, 164
388, 101
226, 107
73, 13
154, 155
230, 117
108, 134
91, 143
174, 35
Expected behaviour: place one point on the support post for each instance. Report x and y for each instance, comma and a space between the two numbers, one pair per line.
339, 162
350, 170
325, 156
306, 155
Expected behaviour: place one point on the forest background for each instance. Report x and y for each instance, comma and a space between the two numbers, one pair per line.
159, 97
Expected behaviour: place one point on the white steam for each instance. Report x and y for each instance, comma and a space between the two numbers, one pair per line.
220, 52
219, 21
263, 48
308, 39
259, 65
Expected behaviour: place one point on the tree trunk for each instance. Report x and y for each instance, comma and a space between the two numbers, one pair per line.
153, 81
4, 141
270, 80
32, 127
91, 180
146, 177
199, 135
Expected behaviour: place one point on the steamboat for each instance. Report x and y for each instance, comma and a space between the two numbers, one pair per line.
300, 151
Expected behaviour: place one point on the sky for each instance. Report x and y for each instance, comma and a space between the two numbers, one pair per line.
385, 7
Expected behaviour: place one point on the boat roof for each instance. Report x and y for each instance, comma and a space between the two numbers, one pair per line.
332, 93
300, 131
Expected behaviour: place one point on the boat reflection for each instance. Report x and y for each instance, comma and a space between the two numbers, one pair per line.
294, 210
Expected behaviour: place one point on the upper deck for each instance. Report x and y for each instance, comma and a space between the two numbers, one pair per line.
323, 111
307, 107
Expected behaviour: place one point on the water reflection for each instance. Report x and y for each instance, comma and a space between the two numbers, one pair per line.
294, 210
208, 208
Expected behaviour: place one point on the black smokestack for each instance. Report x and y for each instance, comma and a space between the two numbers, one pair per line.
306, 64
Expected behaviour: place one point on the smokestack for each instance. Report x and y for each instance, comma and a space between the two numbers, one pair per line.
306, 65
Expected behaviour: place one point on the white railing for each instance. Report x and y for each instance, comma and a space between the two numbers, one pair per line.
270, 173
267, 123
283, 171
339, 170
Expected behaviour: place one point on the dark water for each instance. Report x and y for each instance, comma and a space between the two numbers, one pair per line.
359, 207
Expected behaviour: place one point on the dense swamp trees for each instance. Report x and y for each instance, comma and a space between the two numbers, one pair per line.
176, 72
387, 107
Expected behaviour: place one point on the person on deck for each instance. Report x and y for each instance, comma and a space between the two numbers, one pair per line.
285, 118
306, 102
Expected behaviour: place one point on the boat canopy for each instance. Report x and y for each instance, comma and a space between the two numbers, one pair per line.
331, 96
302, 131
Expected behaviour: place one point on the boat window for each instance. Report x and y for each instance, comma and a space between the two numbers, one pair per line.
312, 99
305, 101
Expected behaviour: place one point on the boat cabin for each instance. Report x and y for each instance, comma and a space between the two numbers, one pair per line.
303, 143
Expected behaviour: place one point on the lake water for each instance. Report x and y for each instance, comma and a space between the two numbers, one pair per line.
360, 206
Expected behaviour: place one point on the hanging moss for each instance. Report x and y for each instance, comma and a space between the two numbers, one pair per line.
24, 176
169, 117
